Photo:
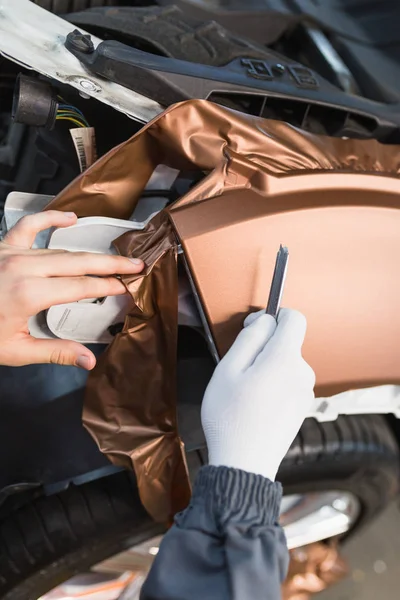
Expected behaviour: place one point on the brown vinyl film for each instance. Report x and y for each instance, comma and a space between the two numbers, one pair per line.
332, 201
313, 569
344, 245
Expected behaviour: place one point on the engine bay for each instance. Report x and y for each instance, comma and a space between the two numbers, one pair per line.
165, 54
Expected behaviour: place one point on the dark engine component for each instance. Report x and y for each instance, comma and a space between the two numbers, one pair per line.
272, 86
365, 33
34, 103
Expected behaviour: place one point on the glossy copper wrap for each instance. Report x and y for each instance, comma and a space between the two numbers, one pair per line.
313, 569
333, 202
342, 232
130, 404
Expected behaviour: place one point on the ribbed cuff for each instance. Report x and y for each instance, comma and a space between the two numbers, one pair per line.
231, 495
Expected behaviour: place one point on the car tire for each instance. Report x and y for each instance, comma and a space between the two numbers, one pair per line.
51, 539
356, 453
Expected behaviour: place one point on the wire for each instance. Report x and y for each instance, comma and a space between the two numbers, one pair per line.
68, 112
70, 118
70, 107
70, 115
74, 115
73, 109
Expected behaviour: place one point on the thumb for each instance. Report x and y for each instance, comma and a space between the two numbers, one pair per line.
250, 342
291, 330
251, 317
58, 352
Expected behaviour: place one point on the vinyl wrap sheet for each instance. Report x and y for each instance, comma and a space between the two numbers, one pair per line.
313, 569
130, 406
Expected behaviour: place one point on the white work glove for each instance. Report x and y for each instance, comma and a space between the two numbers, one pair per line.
259, 395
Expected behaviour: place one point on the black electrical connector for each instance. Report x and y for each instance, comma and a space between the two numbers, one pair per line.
35, 102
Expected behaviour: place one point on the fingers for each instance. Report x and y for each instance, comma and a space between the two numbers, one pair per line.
288, 338
61, 290
23, 234
63, 264
290, 334
250, 342
291, 330
72, 264
309, 377
253, 317
57, 352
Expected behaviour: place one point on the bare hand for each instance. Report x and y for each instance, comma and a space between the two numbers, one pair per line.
34, 280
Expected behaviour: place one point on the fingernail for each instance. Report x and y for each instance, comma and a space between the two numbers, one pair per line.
136, 261
84, 362
70, 215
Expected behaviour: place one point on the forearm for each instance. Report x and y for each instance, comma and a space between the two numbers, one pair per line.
226, 545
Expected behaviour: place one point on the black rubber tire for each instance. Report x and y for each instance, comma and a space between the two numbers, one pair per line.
52, 538
358, 454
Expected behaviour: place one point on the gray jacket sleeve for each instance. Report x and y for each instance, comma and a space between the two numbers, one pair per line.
227, 545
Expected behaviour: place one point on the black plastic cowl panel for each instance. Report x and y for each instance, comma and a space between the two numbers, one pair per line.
304, 95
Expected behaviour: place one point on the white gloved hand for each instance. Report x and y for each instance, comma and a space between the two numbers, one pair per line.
259, 395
